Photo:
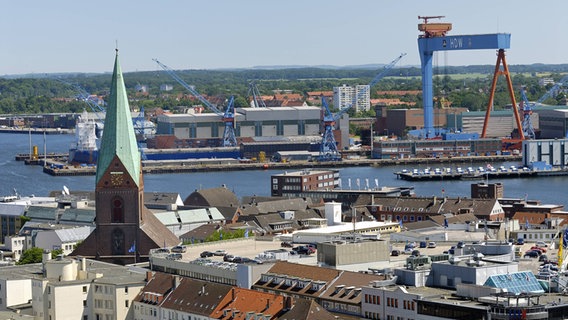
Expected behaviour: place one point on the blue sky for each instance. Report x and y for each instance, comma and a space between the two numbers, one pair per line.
80, 36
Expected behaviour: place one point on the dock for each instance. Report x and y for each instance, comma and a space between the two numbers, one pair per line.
59, 167
501, 174
37, 130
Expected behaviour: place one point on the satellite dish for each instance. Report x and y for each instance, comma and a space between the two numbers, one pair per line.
65, 190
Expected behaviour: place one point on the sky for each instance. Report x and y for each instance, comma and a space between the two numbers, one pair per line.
41, 36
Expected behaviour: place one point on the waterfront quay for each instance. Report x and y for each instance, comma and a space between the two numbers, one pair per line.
37, 130
56, 168
477, 175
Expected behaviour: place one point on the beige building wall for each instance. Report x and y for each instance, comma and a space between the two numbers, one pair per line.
342, 253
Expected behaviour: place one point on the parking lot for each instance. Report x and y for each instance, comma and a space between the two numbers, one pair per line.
249, 248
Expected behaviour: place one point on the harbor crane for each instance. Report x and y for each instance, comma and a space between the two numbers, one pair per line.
228, 116
527, 107
94, 104
527, 110
328, 147
257, 101
552, 91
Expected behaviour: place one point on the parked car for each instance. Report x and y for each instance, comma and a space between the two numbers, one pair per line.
532, 254
286, 244
206, 254
541, 249
304, 250
220, 253
541, 244
520, 241
179, 249
162, 250
543, 258
228, 258
174, 256
431, 244
460, 245
395, 253
423, 244
416, 253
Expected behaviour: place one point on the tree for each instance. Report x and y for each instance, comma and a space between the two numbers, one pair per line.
34, 255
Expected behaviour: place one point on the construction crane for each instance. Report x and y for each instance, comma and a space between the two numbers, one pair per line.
328, 147
549, 94
256, 97
386, 69
229, 136
527, 109
94, 104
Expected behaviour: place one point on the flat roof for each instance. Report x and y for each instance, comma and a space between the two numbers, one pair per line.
346, 227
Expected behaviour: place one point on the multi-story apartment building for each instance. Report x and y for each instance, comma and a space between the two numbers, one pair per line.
358, 97
305, 180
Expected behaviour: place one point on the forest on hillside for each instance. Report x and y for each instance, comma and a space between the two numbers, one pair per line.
464, 86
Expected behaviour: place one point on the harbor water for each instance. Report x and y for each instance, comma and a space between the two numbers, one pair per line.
30, 180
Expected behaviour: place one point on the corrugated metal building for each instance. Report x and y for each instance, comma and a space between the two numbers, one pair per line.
250, 122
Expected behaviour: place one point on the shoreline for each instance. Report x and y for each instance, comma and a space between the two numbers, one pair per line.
194, 165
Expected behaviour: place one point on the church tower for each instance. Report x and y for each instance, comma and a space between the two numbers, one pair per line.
125, 229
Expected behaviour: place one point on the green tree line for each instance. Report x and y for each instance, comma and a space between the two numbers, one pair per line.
466, 86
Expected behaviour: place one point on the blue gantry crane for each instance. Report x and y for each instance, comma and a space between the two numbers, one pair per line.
527, 110
328, 147
228, 116
433, 38
553, 91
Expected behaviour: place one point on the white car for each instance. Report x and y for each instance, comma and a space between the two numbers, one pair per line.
541, 244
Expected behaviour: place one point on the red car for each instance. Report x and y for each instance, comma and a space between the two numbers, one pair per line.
543, 250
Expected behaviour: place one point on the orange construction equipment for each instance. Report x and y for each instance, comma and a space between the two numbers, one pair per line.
433, 29
497, 73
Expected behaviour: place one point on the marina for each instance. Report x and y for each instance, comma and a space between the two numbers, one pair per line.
477, 174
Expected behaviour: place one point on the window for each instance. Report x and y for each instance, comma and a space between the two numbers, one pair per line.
84, 303
117, 210
126, 303
125, 289
84, 289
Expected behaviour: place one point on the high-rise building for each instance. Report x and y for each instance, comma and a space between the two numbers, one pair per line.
358, 97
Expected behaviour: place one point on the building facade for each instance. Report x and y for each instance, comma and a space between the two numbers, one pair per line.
305, 180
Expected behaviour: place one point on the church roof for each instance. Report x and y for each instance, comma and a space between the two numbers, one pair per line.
118, 135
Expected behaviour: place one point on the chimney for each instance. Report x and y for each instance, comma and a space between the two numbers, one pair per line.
175, 281
83, 264
149, 275
45, 257
287, 303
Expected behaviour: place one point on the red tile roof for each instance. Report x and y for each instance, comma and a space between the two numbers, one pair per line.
238, 302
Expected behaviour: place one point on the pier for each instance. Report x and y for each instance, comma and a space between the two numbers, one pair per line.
477, 175
56, 167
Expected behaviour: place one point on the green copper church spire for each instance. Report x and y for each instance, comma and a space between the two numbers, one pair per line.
118, 138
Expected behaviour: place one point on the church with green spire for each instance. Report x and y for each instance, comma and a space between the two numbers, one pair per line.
125, 229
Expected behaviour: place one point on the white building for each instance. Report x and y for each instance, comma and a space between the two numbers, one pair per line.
343, 96
346, 96
182, 221
65, 239
16, 245
16, 285
84, 289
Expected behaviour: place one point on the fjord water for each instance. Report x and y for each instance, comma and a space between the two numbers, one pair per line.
28, 180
